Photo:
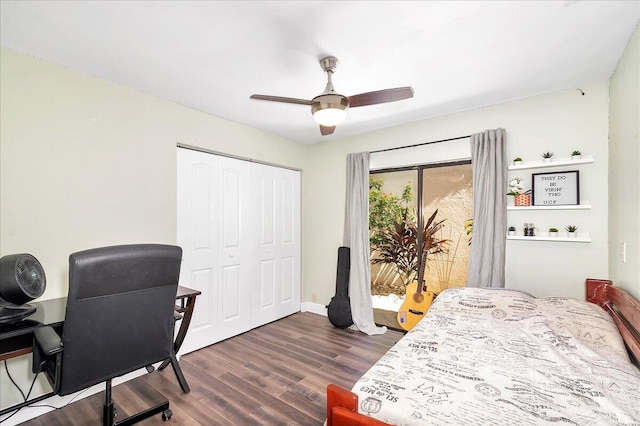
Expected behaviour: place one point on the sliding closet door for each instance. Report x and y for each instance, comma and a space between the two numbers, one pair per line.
197, 216
276, 286
235, 231
239, 228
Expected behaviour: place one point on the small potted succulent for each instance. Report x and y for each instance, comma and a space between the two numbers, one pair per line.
571, 230
546, 156
517, 161
576, 155
553, 232
512, 231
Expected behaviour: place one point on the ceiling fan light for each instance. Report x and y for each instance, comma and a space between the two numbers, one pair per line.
330, 110
330, 116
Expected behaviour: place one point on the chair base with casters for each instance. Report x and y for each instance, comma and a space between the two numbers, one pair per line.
109, 411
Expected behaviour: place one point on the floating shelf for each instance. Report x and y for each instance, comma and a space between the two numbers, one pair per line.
564, 207
554, 239
586, 159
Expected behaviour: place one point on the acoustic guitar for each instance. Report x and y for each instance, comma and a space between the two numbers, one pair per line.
417, 300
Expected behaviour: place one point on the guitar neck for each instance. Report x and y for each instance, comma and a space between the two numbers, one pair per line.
423, 262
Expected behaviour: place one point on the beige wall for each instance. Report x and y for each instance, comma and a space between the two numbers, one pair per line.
559, 122
87, 163
624, 170
98, 163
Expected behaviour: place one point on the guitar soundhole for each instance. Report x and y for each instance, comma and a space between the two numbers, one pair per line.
418, 297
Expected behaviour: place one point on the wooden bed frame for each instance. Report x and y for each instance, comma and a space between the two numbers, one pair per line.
342, 404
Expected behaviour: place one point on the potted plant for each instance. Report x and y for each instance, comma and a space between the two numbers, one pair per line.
517, 161
571, 230
553, 232
546, 156
521, 197
512, 230
575, 155
398, 245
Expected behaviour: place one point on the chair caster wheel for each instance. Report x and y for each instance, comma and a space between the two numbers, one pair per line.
166, 414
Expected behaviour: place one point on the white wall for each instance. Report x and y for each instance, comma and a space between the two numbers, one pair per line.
559, 122
86, 163
624, 170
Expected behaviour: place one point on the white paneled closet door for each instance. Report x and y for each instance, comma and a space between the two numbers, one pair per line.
197, 216
235, 234
239, 228
276, 194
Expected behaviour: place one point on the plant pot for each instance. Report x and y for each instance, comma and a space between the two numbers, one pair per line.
546, 160
553, 234
572, 234
517, 163
576, 157
512, 233
522, 200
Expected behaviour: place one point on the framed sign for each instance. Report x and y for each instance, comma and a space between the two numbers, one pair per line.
555, 189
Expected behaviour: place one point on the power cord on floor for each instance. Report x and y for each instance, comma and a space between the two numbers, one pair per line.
29, 394
33, 382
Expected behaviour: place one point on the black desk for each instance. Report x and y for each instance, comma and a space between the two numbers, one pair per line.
16, 339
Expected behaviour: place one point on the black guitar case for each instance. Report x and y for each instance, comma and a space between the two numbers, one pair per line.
339, 308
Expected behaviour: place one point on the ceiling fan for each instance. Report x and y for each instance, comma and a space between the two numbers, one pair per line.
330, 108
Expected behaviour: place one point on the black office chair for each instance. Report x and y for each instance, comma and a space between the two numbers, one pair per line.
119, 318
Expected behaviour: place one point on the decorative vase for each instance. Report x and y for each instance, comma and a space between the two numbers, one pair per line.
522, 200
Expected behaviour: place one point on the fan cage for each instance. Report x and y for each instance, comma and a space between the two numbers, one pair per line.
30, 276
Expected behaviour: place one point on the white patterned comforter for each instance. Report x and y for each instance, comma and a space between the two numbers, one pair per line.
503, 357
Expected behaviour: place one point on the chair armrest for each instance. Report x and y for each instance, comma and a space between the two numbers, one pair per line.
48, 340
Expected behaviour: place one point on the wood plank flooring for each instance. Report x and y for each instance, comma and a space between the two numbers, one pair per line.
276, 374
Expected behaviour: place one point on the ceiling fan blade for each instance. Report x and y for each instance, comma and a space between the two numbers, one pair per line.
380, 96
282, 99
326, 130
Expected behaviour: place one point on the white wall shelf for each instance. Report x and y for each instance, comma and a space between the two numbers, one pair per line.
554, 239
582, 237
539, 164
565, 207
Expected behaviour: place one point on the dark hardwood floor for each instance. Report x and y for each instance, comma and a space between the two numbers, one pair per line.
276, 374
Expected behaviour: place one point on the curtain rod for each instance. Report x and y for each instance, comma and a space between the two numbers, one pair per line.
419, 144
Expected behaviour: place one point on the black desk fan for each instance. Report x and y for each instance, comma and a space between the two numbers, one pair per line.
22, 279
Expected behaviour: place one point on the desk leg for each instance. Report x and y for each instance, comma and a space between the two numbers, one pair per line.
187, 312
178, 371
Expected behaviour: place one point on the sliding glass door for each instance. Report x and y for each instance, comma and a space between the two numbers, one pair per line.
435, 199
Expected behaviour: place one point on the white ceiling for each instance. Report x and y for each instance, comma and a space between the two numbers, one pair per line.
213, 55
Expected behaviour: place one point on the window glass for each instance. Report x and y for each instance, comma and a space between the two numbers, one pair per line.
394, 208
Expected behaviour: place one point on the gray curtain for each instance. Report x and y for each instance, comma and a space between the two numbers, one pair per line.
356, 237
489, 163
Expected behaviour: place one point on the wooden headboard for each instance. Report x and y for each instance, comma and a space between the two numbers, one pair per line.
623, 308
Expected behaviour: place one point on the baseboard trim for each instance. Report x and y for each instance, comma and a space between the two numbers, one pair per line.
315, 308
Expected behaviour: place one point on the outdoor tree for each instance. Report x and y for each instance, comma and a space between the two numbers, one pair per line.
386, 209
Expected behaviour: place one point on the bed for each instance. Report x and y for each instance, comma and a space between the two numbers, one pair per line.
484, 357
